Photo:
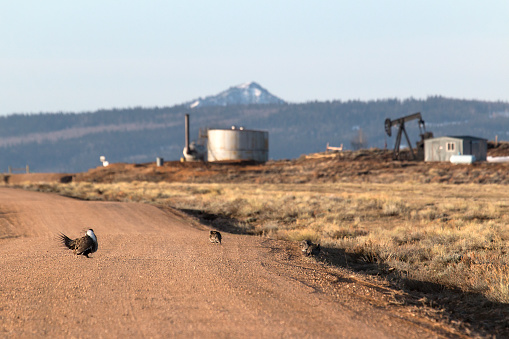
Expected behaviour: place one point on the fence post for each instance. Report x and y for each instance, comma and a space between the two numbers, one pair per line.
10, 170
28, 169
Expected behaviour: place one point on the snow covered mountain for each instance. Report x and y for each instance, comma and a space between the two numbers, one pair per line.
245, 94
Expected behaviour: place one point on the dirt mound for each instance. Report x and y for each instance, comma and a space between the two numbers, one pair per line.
17, 179
498, 149
375, 166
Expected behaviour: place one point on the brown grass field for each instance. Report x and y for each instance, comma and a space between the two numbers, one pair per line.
437, 230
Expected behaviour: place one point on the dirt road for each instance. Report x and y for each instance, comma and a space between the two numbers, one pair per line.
157, 275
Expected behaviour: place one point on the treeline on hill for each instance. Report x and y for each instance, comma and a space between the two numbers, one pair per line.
73, 142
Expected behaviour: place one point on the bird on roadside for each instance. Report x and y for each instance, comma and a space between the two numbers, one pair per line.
215, 237
309, 248
81, 246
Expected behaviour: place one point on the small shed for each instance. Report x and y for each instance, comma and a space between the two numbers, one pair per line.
442, 148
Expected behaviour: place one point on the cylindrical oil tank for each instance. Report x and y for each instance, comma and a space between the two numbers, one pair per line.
237, 144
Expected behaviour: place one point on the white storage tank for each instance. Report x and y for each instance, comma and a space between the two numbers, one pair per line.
462, 159
237, 144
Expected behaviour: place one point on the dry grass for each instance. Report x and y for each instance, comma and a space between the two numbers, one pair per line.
452, 235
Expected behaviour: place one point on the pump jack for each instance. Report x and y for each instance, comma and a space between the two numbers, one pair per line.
401, 123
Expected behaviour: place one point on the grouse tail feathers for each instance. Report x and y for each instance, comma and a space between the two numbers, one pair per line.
66, 241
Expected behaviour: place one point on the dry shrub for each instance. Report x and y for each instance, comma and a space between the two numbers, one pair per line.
301, 234
269, 229
340, 231
480, 212
428, 214
394, 208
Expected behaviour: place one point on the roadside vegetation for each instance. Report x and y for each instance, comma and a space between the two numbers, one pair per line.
454, 236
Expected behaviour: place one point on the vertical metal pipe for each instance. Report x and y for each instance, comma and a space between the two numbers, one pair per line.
187, 133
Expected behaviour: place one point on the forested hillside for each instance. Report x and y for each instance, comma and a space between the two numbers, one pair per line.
73, 142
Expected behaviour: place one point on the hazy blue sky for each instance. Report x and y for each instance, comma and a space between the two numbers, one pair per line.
76, 56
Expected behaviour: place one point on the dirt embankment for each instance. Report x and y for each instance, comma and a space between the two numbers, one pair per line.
374, 166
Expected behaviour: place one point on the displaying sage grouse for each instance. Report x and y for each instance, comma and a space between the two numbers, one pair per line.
309, 248
81, 246
215, 237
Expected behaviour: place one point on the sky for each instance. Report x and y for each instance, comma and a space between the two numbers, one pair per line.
82, 56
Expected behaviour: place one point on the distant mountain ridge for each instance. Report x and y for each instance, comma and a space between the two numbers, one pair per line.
249, 93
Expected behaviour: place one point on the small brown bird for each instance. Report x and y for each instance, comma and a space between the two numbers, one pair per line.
81, 246
309, 248
215, 237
